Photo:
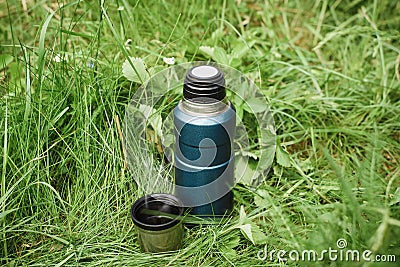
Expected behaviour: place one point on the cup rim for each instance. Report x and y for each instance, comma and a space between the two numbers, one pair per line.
166, 198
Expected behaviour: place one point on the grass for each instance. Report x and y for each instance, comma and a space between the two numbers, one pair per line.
328, 68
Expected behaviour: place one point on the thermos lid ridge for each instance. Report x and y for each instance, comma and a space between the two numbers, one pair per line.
204, 84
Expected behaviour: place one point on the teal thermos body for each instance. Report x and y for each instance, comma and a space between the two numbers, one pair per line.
204, 123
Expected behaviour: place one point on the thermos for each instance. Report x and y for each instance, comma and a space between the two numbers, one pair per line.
204, 123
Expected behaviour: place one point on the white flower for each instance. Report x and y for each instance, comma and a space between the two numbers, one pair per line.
58, 58
127, 44
169, 60
120, 8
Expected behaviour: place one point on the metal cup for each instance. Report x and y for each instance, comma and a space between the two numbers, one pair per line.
157, 218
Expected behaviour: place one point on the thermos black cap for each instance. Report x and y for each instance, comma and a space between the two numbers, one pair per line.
204, 84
